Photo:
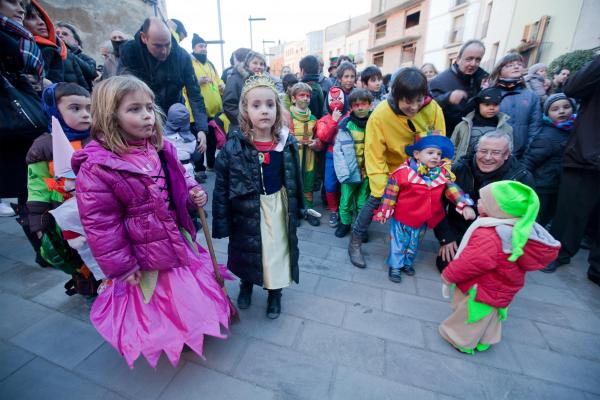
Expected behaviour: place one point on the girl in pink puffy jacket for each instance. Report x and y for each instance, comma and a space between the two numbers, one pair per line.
134, 202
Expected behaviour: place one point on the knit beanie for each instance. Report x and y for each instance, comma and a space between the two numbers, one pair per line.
556, 97
535, 68
197, 39
512, 199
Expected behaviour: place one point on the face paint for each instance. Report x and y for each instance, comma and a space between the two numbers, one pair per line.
361, 109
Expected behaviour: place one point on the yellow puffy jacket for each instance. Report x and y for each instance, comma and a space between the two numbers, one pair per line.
210, 91
388, 133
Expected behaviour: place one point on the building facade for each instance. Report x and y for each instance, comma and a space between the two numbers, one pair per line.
397, 30
95, 19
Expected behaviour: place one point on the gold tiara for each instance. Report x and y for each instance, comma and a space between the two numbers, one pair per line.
258, 80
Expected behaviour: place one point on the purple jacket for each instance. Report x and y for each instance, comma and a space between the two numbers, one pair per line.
126, 221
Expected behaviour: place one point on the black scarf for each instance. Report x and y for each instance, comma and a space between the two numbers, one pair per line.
200, 57
510, 83
480, 120
360, 122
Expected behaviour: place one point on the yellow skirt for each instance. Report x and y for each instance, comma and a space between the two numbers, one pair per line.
277, 272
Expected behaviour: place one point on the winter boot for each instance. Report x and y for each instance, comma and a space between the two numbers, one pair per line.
245, 296
274, 304
354, 252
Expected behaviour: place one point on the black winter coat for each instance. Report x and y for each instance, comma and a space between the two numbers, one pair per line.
59, 70
167, 78
236, 204
87, 65
453, 226
544, 156
583, 146
13, 170
233, 92
445, 83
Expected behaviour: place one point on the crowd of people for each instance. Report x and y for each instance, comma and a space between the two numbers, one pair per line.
502, 166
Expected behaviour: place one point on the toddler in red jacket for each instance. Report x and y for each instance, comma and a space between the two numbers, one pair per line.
490, 265
413, 196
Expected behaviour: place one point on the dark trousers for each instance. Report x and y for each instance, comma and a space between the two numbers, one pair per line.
211, 149
364, 218
578, 198
547, 207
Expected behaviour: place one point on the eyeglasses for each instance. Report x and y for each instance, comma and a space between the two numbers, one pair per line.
493, 153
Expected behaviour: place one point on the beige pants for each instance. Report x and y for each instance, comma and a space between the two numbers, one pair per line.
456, 331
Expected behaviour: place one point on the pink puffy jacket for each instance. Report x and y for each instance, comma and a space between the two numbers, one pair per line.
126, 221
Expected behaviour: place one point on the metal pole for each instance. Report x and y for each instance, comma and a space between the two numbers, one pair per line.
220, 35
250, 22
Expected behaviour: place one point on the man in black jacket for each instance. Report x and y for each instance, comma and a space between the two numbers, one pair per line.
578, 195
492, 162
155, 57
453, 88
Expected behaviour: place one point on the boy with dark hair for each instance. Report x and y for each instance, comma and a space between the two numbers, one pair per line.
372, 79
349, 159
408, 112
309, 74
50, 180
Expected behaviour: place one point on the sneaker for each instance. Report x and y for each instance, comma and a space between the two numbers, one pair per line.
6, 210
334, 219
342, 230
408, 270
314, 221
394, 275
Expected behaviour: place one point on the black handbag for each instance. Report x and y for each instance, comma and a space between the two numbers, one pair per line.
21, 112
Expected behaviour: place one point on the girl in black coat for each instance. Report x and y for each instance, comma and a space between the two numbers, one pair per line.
544, 156
258, 196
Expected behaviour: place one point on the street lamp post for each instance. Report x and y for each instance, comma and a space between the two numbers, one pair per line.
250, 20
264, 50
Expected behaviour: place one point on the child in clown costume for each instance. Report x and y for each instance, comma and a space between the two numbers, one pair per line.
302, 124
327, 128
489, 268
413, 197
349, 159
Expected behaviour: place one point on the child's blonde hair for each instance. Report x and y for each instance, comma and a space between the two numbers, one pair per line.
300, 87
252, 83
106, 99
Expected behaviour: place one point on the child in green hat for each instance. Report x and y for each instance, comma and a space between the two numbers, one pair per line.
489, 268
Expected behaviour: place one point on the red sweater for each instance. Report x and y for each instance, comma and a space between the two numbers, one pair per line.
483, 263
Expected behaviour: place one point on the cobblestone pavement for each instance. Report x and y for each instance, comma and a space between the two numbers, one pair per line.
344, 333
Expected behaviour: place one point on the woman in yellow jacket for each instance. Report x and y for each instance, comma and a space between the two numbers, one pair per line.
393, 125
211, 87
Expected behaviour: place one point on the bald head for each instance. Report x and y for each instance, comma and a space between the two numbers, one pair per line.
157, 38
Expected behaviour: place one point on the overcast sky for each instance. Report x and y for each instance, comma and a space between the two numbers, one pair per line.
286, 20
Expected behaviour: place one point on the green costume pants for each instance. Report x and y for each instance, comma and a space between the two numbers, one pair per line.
353, 198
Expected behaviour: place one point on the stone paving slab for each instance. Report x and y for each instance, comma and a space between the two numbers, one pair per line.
194, 382
344, 333
42, 380
49, 340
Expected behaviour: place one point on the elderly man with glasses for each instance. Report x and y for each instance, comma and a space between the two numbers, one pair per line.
493, 161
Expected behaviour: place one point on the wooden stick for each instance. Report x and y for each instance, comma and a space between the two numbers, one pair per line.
211, 249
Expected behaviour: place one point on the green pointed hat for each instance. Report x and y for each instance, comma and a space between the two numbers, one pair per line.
512, 199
